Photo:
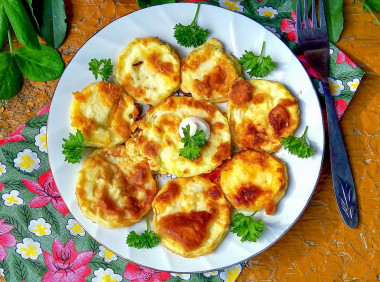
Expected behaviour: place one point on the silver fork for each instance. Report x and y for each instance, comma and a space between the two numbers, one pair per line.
314, 44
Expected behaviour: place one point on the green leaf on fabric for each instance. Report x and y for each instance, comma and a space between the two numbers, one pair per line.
4, 266
10, 76
37, 266
37, 121
8, 155
20, 270
146, 3
94, 246
51, 218
17, 231
334, 18
21, 24
26, 214
51, 17
4, 27
97, 263
39, 65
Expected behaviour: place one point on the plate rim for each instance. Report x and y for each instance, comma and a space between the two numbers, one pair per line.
322, 145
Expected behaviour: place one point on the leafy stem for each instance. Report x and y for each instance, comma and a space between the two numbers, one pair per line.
194, 22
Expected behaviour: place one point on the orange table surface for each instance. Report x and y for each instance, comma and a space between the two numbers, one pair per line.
319, 246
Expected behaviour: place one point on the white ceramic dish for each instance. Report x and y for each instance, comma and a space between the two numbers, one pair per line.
238, 33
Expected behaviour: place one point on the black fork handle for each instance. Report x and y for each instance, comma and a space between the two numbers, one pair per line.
344, 187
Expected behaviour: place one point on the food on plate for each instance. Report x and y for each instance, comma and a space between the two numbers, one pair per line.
208, 71
114, 189
191, 216
104, 113
159, 139
253, 181
149, 70
259, 113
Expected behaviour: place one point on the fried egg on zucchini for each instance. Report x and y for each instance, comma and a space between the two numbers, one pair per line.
208, 71
191, 216
104, 113
160, 142
254, 181
149, 70
114, 189
259, 113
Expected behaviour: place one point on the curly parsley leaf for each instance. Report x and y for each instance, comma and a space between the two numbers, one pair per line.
148, 239
103, 68
246, 227
258, 66
192, 144
191, 35
73, 147
298, 145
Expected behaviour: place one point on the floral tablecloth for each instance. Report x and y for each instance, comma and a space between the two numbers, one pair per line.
39, 238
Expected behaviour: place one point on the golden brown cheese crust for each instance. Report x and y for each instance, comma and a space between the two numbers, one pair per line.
259, 113
191, 216
253, 181
104, 113
208, 71
113, 189
159, 140
149, 70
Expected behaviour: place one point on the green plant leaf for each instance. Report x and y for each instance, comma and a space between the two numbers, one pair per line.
30, 12
4, 27
146, 3
10, 76
334, 18
372, 4
21, 24
39, 65
51, 17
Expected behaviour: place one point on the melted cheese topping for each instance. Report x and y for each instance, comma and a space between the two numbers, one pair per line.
259, 113
208, 72
103, 113
149, 70
254, 181
191, 216
113, 189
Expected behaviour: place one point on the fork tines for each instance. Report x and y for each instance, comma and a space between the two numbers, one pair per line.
322, 18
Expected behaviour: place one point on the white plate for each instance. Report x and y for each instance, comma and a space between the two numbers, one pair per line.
237, 33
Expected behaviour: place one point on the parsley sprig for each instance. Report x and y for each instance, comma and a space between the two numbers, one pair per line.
192, 144
258, 66
73, 147
148, 239
298, 145
103, 68
246, 227
191, 35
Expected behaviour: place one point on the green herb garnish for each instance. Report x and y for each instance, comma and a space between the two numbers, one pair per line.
298, 145
258, 66
148, 239
192, 144
191, 35
103, 68
73, 147
246, 227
